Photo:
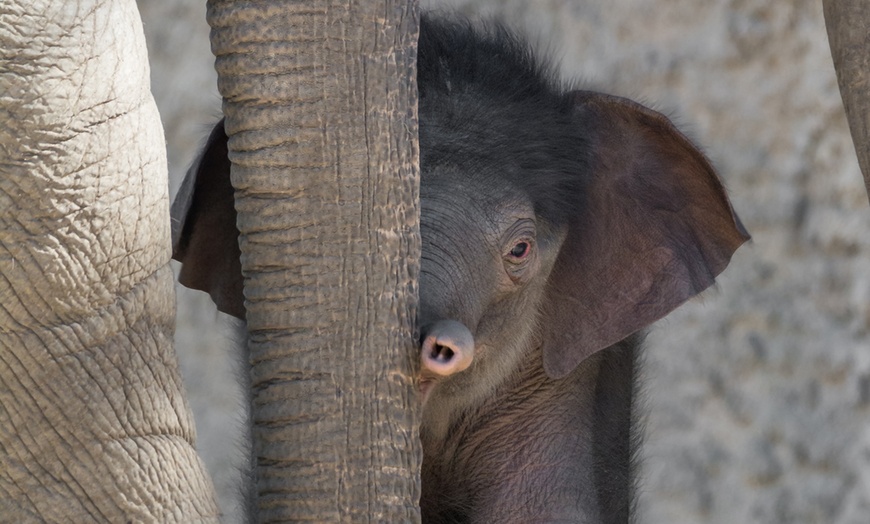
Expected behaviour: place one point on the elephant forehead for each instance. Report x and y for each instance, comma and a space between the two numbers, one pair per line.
479, 201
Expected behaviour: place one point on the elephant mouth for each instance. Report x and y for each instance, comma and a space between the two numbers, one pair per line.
424, 386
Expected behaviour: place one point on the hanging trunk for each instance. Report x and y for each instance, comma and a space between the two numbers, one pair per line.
848, 23
320, 107
94, 425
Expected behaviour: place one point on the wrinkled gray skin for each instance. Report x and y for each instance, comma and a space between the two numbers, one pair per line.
555, 225
94, 421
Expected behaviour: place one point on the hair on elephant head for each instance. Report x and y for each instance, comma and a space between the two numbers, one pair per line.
556, 224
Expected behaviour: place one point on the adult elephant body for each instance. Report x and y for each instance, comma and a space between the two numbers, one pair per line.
94, 425
555, 224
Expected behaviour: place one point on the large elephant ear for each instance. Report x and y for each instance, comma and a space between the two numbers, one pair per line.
205, 238
655, 229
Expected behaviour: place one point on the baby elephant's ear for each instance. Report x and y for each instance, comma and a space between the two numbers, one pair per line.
655, 229
205, 238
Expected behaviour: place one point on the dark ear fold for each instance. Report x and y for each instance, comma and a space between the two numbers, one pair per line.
205, 238
655, 230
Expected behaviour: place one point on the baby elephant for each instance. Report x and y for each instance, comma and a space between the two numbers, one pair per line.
556, 224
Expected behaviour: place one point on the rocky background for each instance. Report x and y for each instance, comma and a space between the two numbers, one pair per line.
758, 393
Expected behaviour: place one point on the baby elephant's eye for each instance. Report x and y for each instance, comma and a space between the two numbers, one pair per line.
520, 250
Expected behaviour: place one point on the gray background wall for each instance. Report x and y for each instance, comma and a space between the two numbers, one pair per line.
758, 393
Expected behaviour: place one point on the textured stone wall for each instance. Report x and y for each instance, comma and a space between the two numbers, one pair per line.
757, 393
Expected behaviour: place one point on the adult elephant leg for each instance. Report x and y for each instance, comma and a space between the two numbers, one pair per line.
320, 107
848, 24
94, 425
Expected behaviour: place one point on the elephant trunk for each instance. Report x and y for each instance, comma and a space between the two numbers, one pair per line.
447, 348
322, 134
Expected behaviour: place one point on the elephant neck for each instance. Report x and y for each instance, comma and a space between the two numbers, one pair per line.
540, 449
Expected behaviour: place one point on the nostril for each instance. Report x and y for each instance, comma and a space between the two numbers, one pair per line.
441, 353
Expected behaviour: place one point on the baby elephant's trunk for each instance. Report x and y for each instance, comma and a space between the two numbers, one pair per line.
448, 348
